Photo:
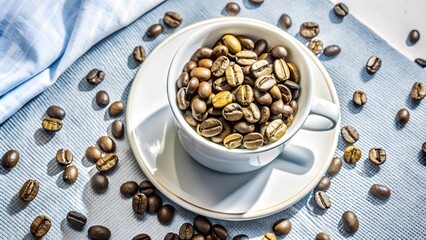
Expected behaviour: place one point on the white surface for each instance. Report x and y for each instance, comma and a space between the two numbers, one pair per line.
393, 20
159, 153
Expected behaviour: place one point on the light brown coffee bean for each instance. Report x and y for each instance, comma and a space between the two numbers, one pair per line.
64, 157
51, 124
226, 130
418, 91
200, 117
359, 98
209, 127
379, 191
288, 120
377, 156
248, 80
198, 106
107, 163
246, 42
246, 58
352, 154
93, 154
202, 52
282, 227
287, 111
263, 98
264, 83
294, 72
266, 56
309, 29
40, 226
181, 99
252, 113
275, 130
116, 109
232, 43
262, 132
260, 46
29, 190
173, 19
261, 68
10, 159
139, 53
277, 107
232, 112
222, 99
373, 64
294, 105
221, 84
205, 62
253, 140
335, 166
322, 200
281, 70
202, 73
233, 140
204, 89
192, 86
117, 129
265, 113
269, 236
349, 134
275, 92
322, 236
188, 67
189, 118
70, 174
220, 50
214, 111
219, 66
350, 221
315, 46
286, 95
244, 95
244, 127
139, 203
323, 184
234, 75
278, 52
182, 80
106, 144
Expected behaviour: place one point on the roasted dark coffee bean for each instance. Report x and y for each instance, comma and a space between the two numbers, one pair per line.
154, 30
418, 91
246, 42
202, 52
146, 187
29, 190
214, 112
241, 237
198, 107
139, 53
56, 112
233, 140
253, 140
278, 52
129, 188
260, 46
244, 127
99, 182
282, 227
379, 191
316, 46
244, 95
64, 157
117, 129
341, 9
275, 130
165, 214
261, 68
93, 153
102, 98
421, 62
349, 134
106, 144
424, 147
202, 225
234, 75
322, 200
198, 237
414, 36
173, 19
309, 29
377, 156
373, 65
98, 232
403, 116
245, 58
269, 236
95, 76
256, 1
107, 163
323, 184
232, 112
335, 166
359, 98
76, 220
285, 21
142, 236
139, 203
70, 174
350, 221
201, 73
322, 236
219, 66
352, 154
186, 231
40, 226
116, 109
232, 43
154, 203
51, 124
172, 236
219, 232
331, 51
10, 159
188, 67
209, 127
232, 8
281, 70
294, 72
252, 113
264, 83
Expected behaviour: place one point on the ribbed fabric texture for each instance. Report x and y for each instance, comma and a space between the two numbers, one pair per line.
403, 216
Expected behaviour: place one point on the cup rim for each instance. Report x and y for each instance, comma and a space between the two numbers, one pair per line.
178, 115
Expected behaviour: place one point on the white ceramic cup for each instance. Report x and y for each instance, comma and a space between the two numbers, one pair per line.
217, 156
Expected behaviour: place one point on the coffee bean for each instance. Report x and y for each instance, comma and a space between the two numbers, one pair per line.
403, 116
244, 95
222, 99
265, 113
322, 236
154, 203
173, 19
335, 166
232, 112
414, 36
165, 214
282, 227
359, 98
56, 112
219, 232
232, 8
294, 106
352, 154
253, 140
424, 147
198, 237
246, 58
241, 237
234, 75
418, 91
373, 64
98, 232
51, 124
227, 129
205, 62
281, 70
285, 21
93, 154
322, 200
154, 30
76, 220
246, 42
139, 53
29, 190
331, 51
64, 157
377, 156
269, 236
142, 236
315, 46
349, 134
117, 129
209, 127
99, 182
244, 127
188, 68
10, 159
260, 46
275, 130
95, 76
219, 66
261, 68
350, 221
309, 29
40, 226
252, 113
128, 189
257, 2
341, 9
172, 236
277, 107
181, 99
186, 231
421, 62
202, 225
201, 74
379, 191
202, 52
102, 98
70, 174
323, 184
107, 163
264, 83
278, 52
294, 72
106, 144
116, 109
139, 203
147, 188
263, 98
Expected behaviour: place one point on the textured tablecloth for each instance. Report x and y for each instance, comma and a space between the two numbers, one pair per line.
403, 216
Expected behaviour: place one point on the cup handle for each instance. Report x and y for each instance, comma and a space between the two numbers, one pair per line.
326, 109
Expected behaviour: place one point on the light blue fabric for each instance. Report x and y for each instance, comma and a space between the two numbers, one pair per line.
403, 216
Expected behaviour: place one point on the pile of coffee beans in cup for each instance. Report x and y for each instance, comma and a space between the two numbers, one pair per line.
240, 93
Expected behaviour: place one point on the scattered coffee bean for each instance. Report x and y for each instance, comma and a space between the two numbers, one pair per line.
128, 189
147, 188
142, 236
40, 226
10, 159
98, 232
107, 163
29, 190
269, 236
373, 64
117, 129
331, 51
51, 124
359, 98
323, 184
232, 8
424, 147
241, 237
198, 237
418, 92
116, 109
99, 182
377, 156
414, 36
64, 157
352, 154
102, 99
349, 134
282, 227
322, 200
219, 232
316, 46
322, 236
154, 30
341, 9
95, 76
139, 53
154, 203
165, 213
350, 221
172, 236
403, 116
139, 203
173, 19
285, 21
70, 174
106, 144
257, 2
379, 191
309, 29
76, 220
421, 62
202, 225
93, 154
56, 112
186, 231
335, 166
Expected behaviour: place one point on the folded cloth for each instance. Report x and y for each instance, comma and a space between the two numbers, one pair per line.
39, 40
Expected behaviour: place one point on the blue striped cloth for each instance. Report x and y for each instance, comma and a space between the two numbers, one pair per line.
39, 40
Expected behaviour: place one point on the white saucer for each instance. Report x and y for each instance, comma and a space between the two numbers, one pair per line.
154, 142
